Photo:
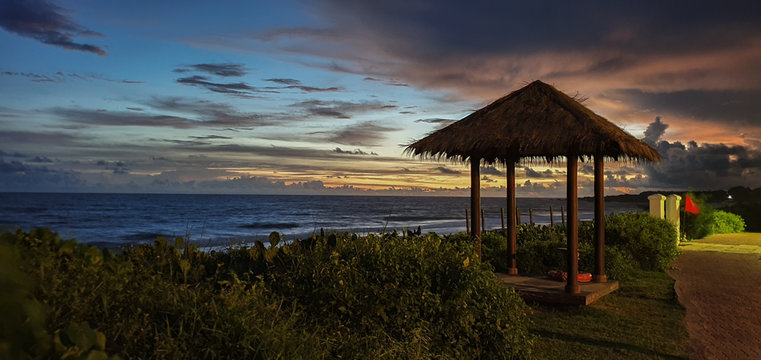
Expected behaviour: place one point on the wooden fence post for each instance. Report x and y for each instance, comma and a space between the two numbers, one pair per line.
552, 218
483, 222
467, 222
531, 216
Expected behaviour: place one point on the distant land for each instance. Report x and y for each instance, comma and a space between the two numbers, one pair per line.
737, 194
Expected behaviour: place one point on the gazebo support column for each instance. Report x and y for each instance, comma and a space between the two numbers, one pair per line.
511, 226
475, 202
572, 255
599, 271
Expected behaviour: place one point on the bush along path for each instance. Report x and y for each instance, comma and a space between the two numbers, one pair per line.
718, 281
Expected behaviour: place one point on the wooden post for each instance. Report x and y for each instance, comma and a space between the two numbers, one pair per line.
483, 221
518, 216
531, 216
512, 263
562, 216
467, 222
552, 218
572, 257
599, 271
475, 201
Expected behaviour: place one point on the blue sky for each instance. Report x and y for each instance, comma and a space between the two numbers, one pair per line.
321, 96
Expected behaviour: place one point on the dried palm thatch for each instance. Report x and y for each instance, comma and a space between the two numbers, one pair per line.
534, 122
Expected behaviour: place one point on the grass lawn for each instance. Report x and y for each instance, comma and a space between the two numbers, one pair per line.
641, 320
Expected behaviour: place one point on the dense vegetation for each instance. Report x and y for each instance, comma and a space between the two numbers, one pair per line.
709, 221
633, 241
334, 296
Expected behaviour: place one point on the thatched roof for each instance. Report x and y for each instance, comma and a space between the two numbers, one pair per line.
535, 122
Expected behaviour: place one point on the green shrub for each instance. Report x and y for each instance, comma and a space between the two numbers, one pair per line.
423, 294
651, 242
632, 241
751, 214
336, 296
709, 221
723, 222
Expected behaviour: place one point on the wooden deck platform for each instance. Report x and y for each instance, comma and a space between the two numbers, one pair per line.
544, 290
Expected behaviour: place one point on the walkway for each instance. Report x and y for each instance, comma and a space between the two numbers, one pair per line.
718, 281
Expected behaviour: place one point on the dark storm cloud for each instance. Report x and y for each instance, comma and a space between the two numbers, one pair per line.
707, 166
219, 69
339, 109
654, 131
488, 47
238, 89
447, 171
739, 107
441, 28
47, 23
363, 134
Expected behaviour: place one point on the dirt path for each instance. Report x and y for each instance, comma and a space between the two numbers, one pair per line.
718, 281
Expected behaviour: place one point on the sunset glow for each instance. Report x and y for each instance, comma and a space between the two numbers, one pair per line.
319, 97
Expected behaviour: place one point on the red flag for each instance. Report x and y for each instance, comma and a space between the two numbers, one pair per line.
690, 206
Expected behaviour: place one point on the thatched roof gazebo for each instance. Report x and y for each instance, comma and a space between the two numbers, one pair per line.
536, 122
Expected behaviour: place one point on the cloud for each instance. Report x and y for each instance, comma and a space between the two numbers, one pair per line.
13, 154
353, 152
339, 109
705, 166
366, 133
238, 89
36, 77
447, 171
311, 89
41, 137
211, 137
531, 173
284, 81
120, 118
654, 131
16, 176
47, 23
440, 123
40, 159
387, 82
218, 69
649, 47
491, 170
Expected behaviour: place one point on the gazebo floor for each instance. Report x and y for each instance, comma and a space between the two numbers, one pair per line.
544, 290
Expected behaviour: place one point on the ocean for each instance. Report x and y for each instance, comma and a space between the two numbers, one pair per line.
113, 220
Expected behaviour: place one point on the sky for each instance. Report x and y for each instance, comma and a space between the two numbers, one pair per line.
321, 97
